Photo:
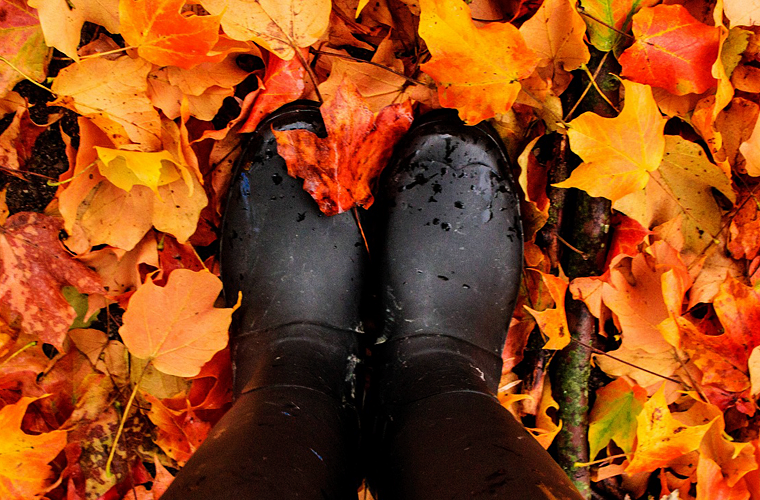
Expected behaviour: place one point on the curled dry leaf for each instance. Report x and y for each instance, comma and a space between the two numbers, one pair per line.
339, 171
176, 327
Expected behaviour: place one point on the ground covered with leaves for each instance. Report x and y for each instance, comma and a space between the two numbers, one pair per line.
633, 127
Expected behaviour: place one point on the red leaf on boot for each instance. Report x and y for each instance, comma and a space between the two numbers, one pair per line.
339, 170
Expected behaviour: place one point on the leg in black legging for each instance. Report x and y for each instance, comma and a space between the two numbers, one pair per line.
293, 430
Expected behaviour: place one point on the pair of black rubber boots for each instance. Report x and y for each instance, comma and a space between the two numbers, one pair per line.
446, 269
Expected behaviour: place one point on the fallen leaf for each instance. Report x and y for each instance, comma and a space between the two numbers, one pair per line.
180, 433
742, 12
609, 19
683, 184
280, 26
165, 36
613, 417
555, 33
34, 268
553, 322
732, 125
635, 295
283, 83
546, 430
21, 44
339, 171
176, 327
62, 20
667, 36
24, 458
377, 84
738, 308
632, 362
476, 69
125, 169
205, 87
17, 141
753, 364
618, 153
711, 484
662, 437
119, 269
113, 94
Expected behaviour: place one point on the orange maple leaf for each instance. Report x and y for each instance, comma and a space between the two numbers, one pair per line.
477, 69
166, 37
34, 267
177, 327
24, 458
673, 50
339, 170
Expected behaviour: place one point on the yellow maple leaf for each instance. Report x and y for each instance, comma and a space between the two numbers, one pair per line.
128, 168
618, 153
662, 437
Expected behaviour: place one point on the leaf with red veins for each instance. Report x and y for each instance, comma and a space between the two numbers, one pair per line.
673, 50
339, 170
35, 266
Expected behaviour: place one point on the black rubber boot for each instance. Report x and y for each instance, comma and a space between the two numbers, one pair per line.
293, 430
450, 262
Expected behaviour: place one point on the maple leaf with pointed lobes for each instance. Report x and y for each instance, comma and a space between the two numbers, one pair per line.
619, 152
34, 268
176, 327
672, 50
477, 69
166, 37
662, 437
24, 458
339, 170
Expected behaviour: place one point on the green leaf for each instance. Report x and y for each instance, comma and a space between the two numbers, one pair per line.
614, 416
80, 304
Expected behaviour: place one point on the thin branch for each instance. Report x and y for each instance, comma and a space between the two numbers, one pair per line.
312, 76
591, 83
602, 353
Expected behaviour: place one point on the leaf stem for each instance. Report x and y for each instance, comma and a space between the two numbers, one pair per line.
106, 53
591, 83
27, 346
312, 76
123, 420
13, 66
602, 353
